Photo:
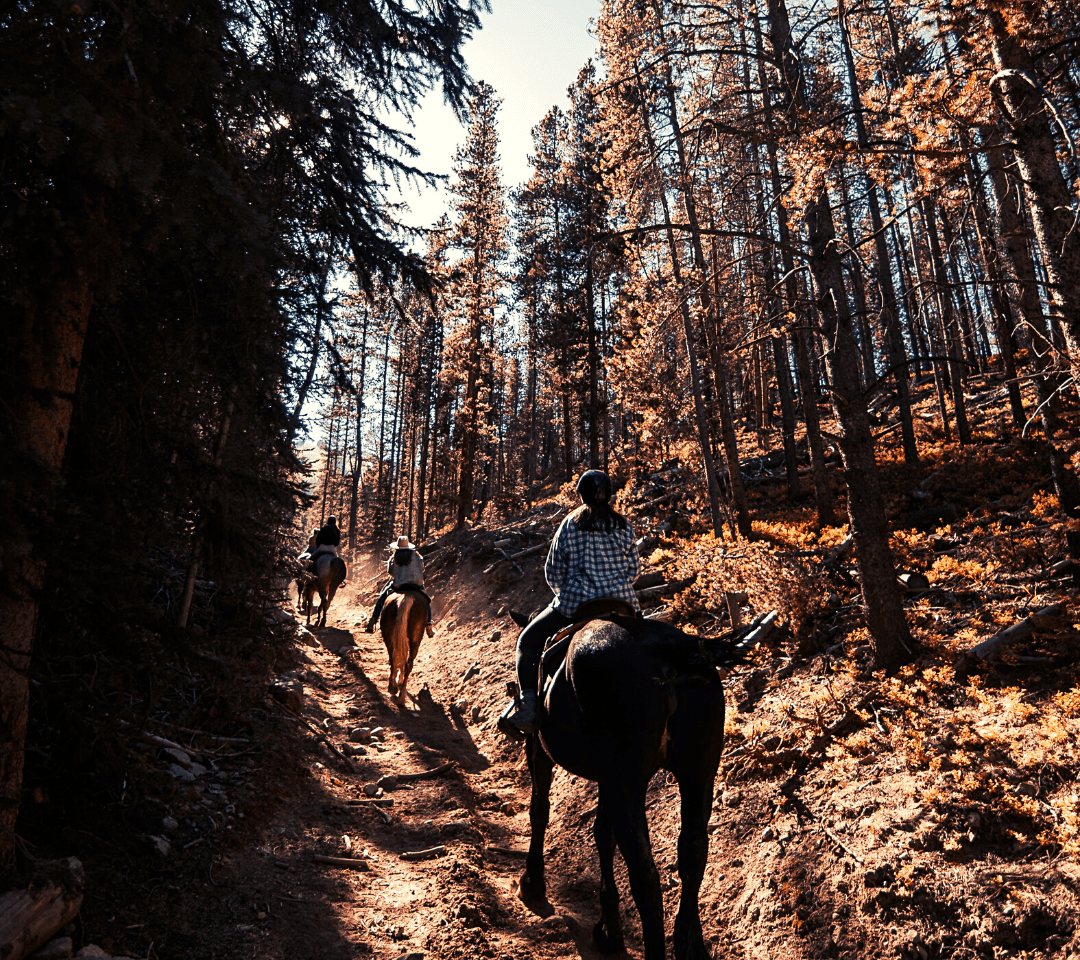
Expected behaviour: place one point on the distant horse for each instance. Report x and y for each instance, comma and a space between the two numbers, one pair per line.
402, 624
329, 575
634, 695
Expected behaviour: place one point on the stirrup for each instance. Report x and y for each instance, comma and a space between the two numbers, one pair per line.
518, 720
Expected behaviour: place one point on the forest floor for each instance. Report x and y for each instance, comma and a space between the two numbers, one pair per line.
927, 815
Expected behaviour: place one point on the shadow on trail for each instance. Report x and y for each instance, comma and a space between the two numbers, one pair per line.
433, 733
333, 638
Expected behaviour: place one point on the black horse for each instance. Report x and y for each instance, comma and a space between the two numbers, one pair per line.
632, 696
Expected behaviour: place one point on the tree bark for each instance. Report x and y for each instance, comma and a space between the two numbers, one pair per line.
50, 355
1052, 204
866, 510
890, 314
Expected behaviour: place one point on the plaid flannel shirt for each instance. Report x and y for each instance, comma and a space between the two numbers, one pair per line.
585, 564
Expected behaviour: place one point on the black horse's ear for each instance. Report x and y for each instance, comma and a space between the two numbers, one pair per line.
519, 618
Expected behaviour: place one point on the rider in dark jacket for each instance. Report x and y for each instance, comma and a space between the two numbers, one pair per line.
327, 540
328, 536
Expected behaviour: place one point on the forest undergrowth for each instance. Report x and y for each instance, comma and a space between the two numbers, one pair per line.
931, 813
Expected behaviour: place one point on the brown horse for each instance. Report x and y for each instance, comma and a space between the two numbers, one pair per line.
329, 575
403, 622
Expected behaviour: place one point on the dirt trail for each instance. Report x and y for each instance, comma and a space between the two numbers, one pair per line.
462, 902
847, 865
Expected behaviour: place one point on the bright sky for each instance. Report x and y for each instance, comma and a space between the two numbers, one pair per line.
530, 51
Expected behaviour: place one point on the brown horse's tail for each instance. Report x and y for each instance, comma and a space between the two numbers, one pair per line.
399, 640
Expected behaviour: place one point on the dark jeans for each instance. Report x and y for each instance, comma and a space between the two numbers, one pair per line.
389, 589
530, 644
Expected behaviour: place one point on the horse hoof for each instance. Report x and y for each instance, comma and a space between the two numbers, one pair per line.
531, 890
605, 941
691, 948
695, 951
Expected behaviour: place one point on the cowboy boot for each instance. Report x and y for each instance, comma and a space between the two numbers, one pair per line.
518, 720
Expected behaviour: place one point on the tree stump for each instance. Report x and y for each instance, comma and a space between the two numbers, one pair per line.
29, 918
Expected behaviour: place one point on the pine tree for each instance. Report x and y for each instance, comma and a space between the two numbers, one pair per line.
480, 235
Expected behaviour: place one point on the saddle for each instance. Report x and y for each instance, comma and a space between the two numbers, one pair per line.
413, 588
312, 560
601, 608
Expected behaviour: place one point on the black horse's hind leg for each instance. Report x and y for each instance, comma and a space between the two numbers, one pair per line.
532, 886
696, 803
625, 806
607, 934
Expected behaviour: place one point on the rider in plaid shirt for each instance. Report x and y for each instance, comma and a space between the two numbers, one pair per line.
586, 564
592, 555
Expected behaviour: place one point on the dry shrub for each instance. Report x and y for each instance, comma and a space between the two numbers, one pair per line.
773, 583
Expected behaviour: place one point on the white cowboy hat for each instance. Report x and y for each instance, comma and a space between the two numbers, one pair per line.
402, 543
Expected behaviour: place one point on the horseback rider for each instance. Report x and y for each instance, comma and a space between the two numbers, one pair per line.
406, 569
327, 541
593, 554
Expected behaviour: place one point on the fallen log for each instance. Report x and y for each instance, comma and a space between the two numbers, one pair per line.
532, 551
426, 774
491, 566
350, 862
423, 854
841, 550
670, 587
30, 918
506, 851
651, 579
1060, 569
992, 648
639, 508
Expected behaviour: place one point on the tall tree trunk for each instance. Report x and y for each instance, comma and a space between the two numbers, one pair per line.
316, 339
866, 509
469, 413
1023, 290
780, 38
51, 353
950, 327
593, 358
1004, 318
354, 532
328, 461
1052, 204
711, 308
939, 369
890, 315
701, 416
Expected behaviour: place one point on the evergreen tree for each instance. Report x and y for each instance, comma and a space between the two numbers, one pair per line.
480, 236
177, 176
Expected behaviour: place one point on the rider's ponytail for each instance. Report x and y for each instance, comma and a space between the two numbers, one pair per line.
598, 516
402, 558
